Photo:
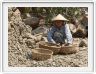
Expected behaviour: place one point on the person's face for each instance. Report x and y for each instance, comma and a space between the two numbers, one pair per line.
59, 23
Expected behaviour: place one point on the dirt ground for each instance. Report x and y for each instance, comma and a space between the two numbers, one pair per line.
79, 59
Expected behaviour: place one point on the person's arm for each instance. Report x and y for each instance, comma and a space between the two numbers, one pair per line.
68, 34
50, 34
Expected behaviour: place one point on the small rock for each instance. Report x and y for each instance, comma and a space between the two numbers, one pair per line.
83, 43
30, 43
29, 36
79, 33
53, 63
38, 38
41, 29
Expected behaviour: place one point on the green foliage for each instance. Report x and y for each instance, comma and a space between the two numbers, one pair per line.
50, 12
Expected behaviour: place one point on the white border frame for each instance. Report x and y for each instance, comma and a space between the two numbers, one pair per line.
49, 73
47, 0
0, 37
95, 37
5, 67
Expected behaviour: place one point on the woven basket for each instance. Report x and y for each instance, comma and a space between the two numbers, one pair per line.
50, 46
41, 54
69, 49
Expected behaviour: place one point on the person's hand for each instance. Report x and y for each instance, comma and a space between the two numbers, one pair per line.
58, 44
68, 44
53, 41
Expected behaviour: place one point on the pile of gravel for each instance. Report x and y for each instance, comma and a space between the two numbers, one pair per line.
18, 43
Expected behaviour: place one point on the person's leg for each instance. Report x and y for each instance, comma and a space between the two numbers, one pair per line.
58, 37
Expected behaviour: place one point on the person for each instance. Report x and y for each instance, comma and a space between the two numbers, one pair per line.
84, 21
60, 31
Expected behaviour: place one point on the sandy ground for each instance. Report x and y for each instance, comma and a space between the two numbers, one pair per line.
79, 59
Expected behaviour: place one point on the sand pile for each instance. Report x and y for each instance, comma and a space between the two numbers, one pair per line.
18, 43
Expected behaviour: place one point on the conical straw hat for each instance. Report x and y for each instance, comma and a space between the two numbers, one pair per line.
59, 17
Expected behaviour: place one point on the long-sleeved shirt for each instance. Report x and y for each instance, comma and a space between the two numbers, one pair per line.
59, 35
